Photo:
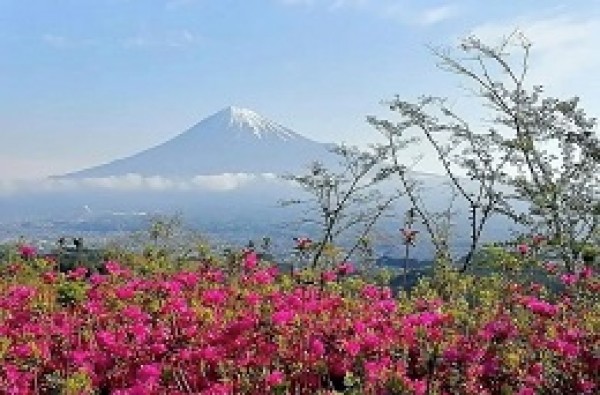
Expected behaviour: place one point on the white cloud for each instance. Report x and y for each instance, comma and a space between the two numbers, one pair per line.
174, 39
331, 4
563, 47
404, 13
436, 15
136, 182
348, 3
398, 10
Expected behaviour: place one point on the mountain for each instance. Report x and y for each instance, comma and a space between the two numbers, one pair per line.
234, 140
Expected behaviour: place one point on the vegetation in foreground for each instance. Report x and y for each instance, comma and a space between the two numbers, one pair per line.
241, 326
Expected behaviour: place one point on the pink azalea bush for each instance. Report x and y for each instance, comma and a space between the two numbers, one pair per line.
259, 331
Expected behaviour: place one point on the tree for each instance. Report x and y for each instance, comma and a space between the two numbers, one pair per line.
535, 149
346, 200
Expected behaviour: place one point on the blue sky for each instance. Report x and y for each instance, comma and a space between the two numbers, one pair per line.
84, 82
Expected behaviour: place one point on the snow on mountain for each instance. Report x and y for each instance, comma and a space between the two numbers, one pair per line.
234, 140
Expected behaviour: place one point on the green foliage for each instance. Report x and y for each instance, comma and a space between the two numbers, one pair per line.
70, 292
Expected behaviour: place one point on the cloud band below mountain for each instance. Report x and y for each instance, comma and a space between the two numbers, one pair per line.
135, 182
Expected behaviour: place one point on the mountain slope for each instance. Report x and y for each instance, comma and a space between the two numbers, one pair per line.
234, 140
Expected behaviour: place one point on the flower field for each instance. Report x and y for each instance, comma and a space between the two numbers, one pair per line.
205, 329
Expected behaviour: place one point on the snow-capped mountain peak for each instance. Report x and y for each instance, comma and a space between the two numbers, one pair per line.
243, 119
233, 140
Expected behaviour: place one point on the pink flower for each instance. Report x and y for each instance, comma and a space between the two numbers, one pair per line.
352, 348
536, 369
134, 313
370, 292
328, 276
215, 276
551, 267
419, 387
373, 370
452, 355
360, 327
79, 357
523, 249
386, 305
125, 293
149, 373
50, 277
541, 307
586, 272
426, 318
565, 348
263, 277
569, 279
113, 268
27, 251
499, 329
526, 391
22, 351
250, 260
585, 386
317, 348
371, 341
215, 297
187, 279
78, 273
219, 389
106, 339
19, 294
275, 379
282, 317
97, 279
345, 268
210, 354
140, 332
252, 299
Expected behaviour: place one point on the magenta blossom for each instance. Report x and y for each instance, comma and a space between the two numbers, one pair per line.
27, 251
283, 317
275, 379
250, 260
541, 307
328, 276
345, 268
569, 279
